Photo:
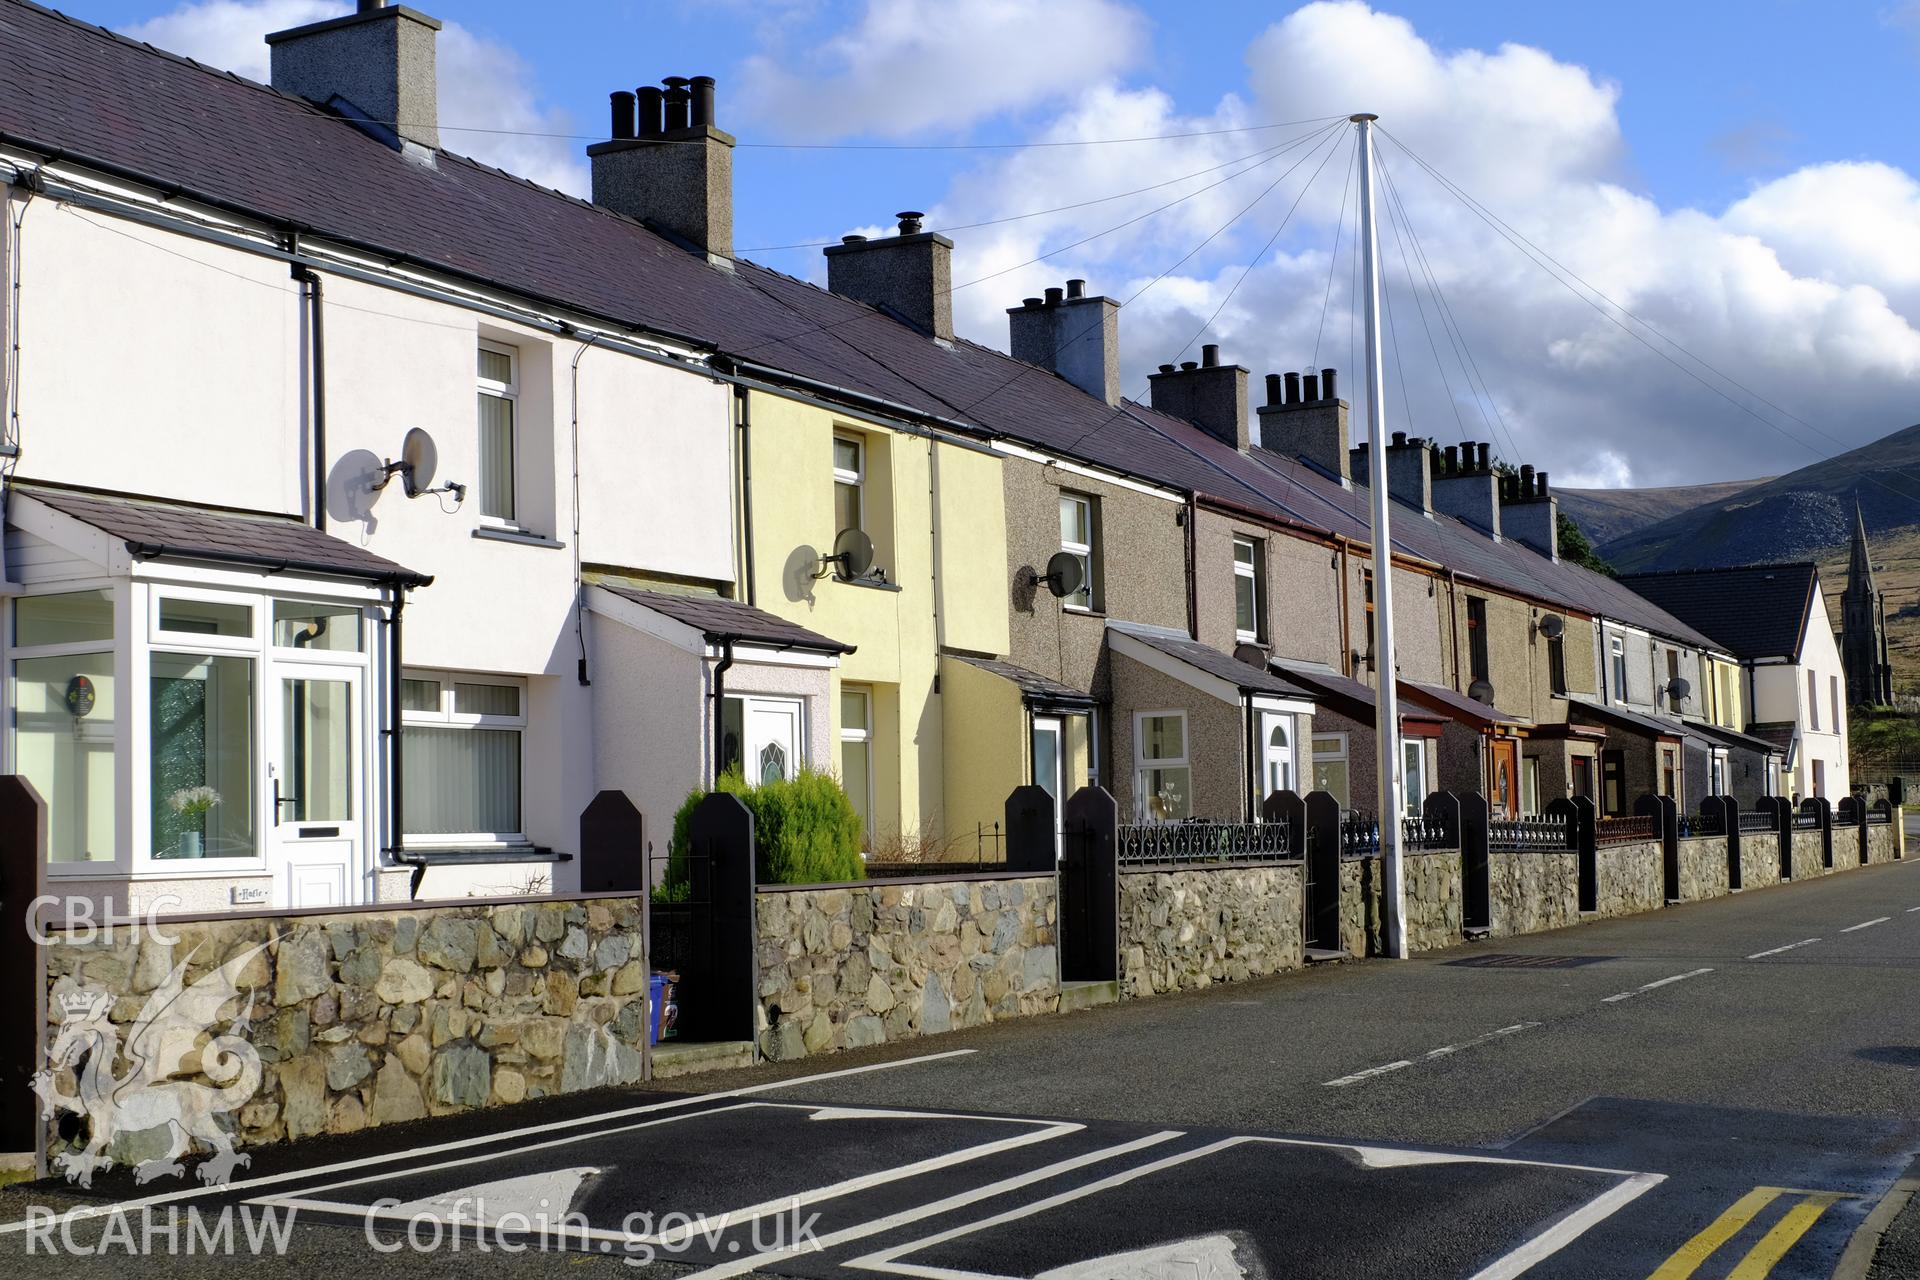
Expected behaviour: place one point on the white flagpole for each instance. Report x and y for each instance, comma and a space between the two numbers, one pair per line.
1386, 700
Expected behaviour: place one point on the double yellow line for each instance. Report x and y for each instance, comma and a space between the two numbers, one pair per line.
1770, 1248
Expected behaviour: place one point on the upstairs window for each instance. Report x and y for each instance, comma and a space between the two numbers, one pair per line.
1813, 703
1366, 590
1477, 635
1249, 593
1617, 649
849, 483
1079, 538
499, 389
1557, 664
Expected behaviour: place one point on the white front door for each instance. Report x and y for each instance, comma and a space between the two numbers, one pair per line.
315, 778
1049, 767
1277, 753
772, 728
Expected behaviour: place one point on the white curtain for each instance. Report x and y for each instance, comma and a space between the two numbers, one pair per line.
461, 781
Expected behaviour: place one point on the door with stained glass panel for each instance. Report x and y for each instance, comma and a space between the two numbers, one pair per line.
772, 739
315, 777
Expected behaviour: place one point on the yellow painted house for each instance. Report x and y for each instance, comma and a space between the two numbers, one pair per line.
909, 737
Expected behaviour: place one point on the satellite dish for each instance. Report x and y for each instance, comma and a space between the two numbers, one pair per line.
852, 552
1553, 626
1251, 654
1481, 691
1064, 576
1679, 688
419, 460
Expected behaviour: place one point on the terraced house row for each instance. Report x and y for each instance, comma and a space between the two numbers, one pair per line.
369, 510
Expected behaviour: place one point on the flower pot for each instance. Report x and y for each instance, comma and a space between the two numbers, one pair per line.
191, 844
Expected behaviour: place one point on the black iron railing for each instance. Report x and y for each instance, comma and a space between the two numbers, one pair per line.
1702, 824
1151, 843
1633, 829
1359, 835
1547, 831
1804, 821
1757, 820
1880, 814
1425, 833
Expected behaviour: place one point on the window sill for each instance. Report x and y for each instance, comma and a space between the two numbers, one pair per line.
497, 533
461, 855
869, 583
1084, 613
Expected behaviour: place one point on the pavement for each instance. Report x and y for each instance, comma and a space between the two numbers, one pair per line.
1721, 1090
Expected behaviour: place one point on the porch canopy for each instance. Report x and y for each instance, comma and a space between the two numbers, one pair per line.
1731, 739
1356, 700
1628, 721
117, 533
1038, 692
1204, 666
1481, 716
720, 621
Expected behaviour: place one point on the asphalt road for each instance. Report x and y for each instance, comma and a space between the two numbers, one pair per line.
1720, 1089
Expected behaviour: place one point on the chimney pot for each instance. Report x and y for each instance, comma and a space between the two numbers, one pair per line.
1030, 304
702, 114
1293, 388
1399, 439
1274, 394
1053, 297
623, 114
1076, 288
1210, 355
679, 102
853, 239
1326, 385
651, 99
1526, 480
1309, 387
1486, 456
1189, 364
1540, 480
368, 6
910, 221
1166, 368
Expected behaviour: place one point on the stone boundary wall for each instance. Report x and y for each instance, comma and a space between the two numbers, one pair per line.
1846, 847
1808, 858
1703, 868
1632, 878
1183, 928
376, 1017
1759, 859
1533, 890
1881, 842
846, 966
1434, 901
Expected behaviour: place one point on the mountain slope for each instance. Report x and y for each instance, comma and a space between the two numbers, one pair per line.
1796, 516
1608, 515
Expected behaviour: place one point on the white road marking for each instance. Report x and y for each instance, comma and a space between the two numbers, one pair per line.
1541, 1246
1572, 1227
82, 1214
1866, 924
1368, 1074
834, 1239
1758, 955
1913, 908
1678, 977
1428, 1056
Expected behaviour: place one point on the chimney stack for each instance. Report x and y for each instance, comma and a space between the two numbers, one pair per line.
909, 274
1467, 488
1530, 514
1073, 335
1409, 473
1211, 396
375, 66
674, 169
1313, 430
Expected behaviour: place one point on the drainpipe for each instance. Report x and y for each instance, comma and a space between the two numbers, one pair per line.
396, 774
744, 398
719, 702
1346, 619
579, 590
1453, 622
1251, 783
316, 305
1193, 556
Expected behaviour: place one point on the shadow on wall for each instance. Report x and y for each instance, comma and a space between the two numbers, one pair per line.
796, 576
350, 492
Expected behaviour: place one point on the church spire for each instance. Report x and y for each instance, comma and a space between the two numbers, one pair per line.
1860, 567
1863, 627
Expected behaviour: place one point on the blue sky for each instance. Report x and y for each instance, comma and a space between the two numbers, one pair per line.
1730, 172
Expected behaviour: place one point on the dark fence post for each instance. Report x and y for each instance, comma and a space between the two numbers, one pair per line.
1322, 896
1475, 843
1032, 839
1729, 810
1853, 811
1287, 809
1090, 888
717, 1000
1583, 839
23, 979
613, 850
1823, 819
1666, 829
1782, 810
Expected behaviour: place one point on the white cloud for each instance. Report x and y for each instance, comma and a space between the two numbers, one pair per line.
490, 107
1806, 290
902, 69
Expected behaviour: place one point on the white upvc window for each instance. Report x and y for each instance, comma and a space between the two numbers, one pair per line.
1249, 593
1163, 779
1330, 772
1530, 787
856, 754
1079, 536
849, 482
463, 736
499, 404
1413, 776
1617, 648
67, 715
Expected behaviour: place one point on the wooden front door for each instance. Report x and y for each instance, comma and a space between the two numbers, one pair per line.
1503, 777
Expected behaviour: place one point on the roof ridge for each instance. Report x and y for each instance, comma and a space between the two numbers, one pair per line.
1730, 568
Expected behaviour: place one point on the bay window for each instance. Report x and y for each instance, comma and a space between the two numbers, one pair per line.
201, 755
461, 761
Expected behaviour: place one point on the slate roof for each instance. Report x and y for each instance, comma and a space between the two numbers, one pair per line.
1732, 738
1221, 666
1632, 721
1032, 685
718, 619
100, 99
1326, 684
1778, 734
1455, 705
153, 530
1758, 611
